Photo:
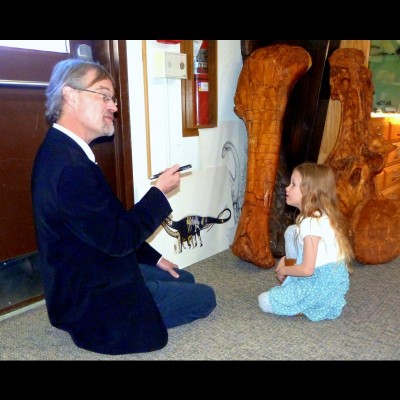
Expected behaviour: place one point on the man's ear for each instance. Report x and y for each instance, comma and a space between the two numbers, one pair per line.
69, 94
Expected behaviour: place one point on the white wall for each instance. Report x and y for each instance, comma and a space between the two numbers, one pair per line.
167, 146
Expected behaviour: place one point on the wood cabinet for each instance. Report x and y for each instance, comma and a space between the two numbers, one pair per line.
388, 181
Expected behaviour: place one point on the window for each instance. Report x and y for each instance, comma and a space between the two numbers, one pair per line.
58, 46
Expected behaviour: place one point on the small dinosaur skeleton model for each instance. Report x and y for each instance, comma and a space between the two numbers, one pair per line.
188, 228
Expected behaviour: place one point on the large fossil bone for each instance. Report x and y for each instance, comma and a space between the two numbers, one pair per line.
357, 157
265, 82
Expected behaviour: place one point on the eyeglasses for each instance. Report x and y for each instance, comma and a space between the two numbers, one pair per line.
106, 97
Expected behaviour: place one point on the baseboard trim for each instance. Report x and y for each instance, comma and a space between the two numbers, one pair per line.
22, 310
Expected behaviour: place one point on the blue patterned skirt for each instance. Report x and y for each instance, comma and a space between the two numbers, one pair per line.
320, 296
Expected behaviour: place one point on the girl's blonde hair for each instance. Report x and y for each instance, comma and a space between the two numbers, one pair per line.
319, 194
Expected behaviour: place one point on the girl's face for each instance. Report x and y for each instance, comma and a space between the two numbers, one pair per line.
293, 193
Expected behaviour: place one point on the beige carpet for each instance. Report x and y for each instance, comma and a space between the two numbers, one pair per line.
368, 328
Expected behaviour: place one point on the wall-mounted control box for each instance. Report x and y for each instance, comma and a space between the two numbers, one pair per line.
170, 65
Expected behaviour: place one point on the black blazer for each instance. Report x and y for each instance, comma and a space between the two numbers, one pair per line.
89, 249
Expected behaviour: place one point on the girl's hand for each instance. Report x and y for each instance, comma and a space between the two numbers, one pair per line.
279, 274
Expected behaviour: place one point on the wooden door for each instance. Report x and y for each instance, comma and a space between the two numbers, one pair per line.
22, 128
24, 75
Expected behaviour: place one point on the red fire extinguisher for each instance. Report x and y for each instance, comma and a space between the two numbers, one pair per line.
201, 98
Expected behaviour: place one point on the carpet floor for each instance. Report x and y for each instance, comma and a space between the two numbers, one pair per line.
368, 328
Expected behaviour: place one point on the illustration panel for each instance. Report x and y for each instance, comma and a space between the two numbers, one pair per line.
228, 147
201, 218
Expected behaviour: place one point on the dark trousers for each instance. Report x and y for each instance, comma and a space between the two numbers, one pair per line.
180, 300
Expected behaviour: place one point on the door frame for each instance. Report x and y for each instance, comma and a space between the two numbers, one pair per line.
113, 55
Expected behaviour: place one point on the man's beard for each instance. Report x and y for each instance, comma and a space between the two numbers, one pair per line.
109, 130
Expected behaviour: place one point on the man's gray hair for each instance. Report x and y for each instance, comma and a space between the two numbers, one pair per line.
70, 73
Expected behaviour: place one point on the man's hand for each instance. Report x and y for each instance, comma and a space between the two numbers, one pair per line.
168, 266
169, 179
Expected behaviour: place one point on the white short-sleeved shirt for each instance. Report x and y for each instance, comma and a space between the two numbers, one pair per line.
328, 250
